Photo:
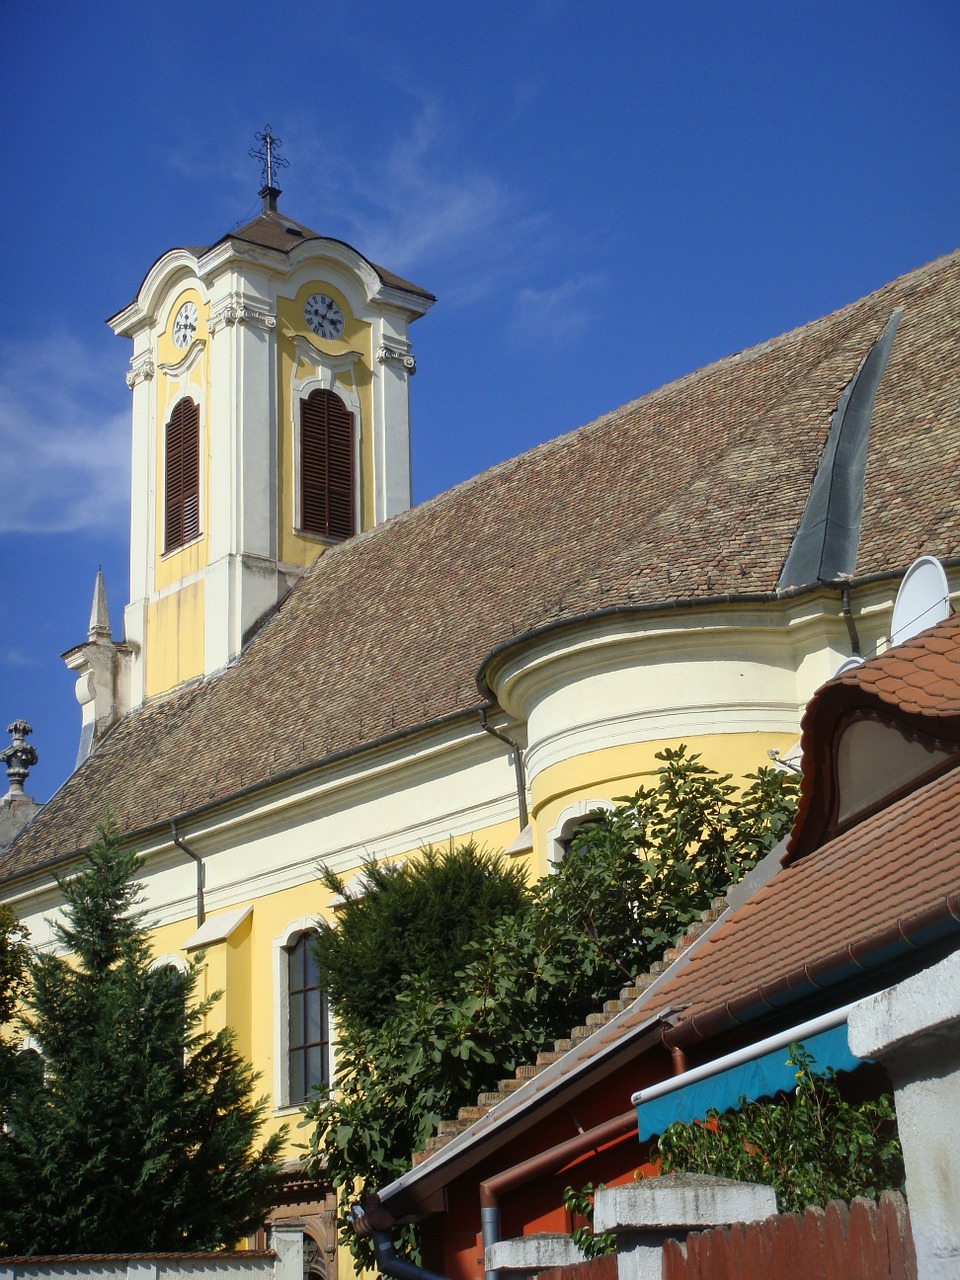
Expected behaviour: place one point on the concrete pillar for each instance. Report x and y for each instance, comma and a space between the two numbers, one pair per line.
524, 1257
644, 1214
286, 1241
914, 1030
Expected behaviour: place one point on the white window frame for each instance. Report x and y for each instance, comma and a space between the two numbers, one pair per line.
281, 1016
568, 819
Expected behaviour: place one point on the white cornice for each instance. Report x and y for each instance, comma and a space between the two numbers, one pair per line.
142, 369
173, 265
323, 360
235, 309
397, 353
178, 368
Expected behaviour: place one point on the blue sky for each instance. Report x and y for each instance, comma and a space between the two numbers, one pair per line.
603, 197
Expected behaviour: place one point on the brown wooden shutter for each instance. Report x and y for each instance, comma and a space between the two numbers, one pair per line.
326, 466
182, 475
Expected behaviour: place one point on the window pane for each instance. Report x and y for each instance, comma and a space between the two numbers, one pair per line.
316, 1017
316, 1066
297, 1063
296, 1020
311, 972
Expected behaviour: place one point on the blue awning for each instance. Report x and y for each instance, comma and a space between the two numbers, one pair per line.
760, 1077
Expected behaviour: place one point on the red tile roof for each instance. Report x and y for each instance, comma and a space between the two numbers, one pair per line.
917, 682
887, 887
688, 495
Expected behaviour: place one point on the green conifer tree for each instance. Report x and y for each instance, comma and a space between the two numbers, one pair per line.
137, 1129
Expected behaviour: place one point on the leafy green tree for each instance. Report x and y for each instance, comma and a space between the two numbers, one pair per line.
811, 1146
634, 878
410, 927
14, 957
138, 1131
13, 962
462, 998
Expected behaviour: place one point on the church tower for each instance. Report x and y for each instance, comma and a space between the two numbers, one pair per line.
270, 379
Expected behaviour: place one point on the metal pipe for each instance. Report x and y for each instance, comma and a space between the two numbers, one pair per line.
201, 913
390, 1265
517, 765
545, 1162
848, 619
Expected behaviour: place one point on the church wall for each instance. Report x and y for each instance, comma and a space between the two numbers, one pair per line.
174, 637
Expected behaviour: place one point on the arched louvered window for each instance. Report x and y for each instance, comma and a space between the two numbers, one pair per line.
326, 466
182, 475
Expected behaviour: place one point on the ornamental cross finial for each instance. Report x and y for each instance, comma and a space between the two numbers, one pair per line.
267, 155
18, 757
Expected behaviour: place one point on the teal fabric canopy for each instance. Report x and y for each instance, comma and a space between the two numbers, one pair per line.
759, 1078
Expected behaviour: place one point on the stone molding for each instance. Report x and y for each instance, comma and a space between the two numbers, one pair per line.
236, 310
142, 369
394, 353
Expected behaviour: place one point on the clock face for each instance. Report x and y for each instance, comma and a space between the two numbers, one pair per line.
185, 325
323, 316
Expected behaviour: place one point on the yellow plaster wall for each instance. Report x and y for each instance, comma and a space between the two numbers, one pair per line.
242, 967
174, 638
174, 625
297, 548
187, 560
620, 771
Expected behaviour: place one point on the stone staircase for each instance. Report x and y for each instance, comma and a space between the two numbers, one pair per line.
466, 1116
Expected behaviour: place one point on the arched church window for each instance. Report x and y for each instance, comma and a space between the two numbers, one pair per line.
308, 1038
182, 475
326, 466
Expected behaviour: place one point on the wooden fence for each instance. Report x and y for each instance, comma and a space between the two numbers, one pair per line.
864, 1241
596, 1269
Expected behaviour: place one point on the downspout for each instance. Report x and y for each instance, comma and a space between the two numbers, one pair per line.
371, 1220
201, 914
545, 1162
848, 619
390, 1265
517, 765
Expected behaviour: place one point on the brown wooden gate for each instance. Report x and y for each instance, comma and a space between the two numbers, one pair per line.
865, 1241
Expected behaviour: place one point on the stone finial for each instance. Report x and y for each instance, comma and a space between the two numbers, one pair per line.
99, 617
19, 757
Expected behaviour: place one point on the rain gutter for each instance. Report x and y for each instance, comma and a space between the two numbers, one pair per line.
910, 936
201, 874
212, 806
517, 765
839, 585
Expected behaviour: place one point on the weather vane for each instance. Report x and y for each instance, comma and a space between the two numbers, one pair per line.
267, 155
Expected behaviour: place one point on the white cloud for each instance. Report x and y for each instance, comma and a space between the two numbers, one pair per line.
418, 206
17, 658
64, 441
558, 314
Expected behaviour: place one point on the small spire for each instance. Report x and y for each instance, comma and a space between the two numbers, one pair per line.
99, 618
18, 757
271, 161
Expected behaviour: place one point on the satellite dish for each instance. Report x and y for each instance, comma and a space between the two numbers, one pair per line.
847, 664
922, 601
